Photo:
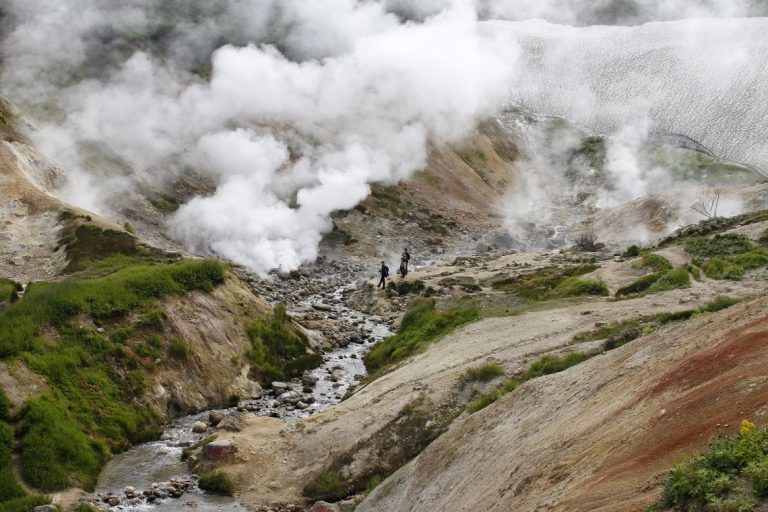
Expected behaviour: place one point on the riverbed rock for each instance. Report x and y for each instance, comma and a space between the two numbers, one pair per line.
321, 306
279, 388
232, 422
199, 427
130, 491
220, 448
301, 405
309, 380
215, 417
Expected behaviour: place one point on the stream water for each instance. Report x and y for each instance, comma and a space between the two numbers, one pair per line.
159, 463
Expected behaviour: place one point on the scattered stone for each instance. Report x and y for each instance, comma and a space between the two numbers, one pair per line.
232, 422
309, 380
301, 405
220, 448
279, 388
600, 324
215, 417
322, 307
199, 427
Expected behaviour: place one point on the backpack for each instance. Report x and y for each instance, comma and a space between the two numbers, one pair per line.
385, 271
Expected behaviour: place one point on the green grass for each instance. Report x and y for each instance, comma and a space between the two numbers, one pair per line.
279, 350
577, 287
719, 303
421, 324
92, 408
482, 373
89, 244
734, 266
327, 486
9, 290
546, 365
24, 504
105, 297
727, 244
657, 282
550, 282
178, 349
216, 482
655, 262
732, 475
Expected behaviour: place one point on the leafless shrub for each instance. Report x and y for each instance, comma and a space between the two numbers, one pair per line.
587, 241
706, 203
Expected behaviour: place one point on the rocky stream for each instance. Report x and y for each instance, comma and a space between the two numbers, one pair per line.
154, 476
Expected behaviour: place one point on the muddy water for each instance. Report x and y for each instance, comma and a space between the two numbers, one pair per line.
160, 461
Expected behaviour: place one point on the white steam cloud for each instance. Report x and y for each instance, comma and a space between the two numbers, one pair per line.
288, 141
295, 107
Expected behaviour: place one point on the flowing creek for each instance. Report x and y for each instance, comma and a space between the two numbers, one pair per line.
157, 466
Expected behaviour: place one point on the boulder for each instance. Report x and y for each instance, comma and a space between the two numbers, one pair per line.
309, 380
215, 417
279, 388
199, 427
232, 422
219, 449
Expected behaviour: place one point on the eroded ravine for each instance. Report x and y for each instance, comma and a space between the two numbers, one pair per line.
153, 476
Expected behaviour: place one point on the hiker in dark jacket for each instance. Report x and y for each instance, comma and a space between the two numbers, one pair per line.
404, 259
384, 271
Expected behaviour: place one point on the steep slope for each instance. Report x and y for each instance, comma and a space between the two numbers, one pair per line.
599, 436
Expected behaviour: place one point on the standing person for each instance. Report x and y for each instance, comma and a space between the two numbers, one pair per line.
406, 258
384, 271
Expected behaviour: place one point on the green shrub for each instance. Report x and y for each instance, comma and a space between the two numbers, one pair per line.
279, 350
178, 349
671, 280
632, 252
727, 244
482, 373
576, 287
5, 406
656, 262
217, 482
718, 304
717, 480
130, 229
657, 282
327, 486
421, 324
541, 284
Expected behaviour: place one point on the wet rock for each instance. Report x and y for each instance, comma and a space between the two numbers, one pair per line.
279, 388
220, 448
301, 405
130, 491
322, 307
199, 427
309, 380
215, 417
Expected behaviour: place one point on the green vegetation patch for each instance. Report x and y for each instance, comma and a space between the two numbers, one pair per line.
727, 244
9, 290
327, 486
551, 282
483, 373
657, 282
655, 262
279, 350
421, 324
731, 475
106, 297
92, 409
12, 495
547, 365
217, 482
